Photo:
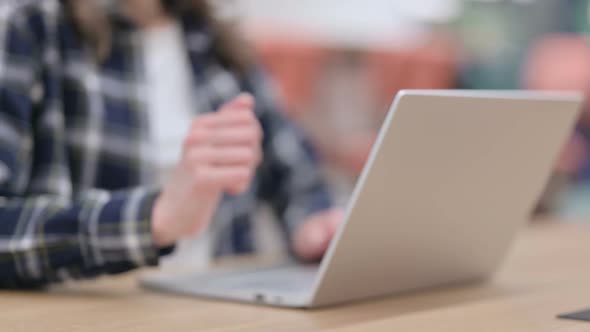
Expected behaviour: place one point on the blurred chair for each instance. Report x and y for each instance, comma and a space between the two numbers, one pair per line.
430, 65
295, 66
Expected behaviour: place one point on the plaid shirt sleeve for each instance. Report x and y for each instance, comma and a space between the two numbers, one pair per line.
48, 233
291, 176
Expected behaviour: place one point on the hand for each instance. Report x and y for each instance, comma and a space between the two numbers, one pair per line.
220, 154
313, 237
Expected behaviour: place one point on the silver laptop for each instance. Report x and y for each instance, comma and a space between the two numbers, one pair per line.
451, 179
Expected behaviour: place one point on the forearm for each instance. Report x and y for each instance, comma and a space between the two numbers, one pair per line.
45, 240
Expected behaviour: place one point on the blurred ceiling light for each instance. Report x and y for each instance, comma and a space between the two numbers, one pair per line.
432, 11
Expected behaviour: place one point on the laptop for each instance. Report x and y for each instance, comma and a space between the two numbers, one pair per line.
451, 179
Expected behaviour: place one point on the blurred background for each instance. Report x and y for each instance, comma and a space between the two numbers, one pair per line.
338, 65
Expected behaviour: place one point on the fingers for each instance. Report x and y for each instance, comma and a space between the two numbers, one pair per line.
232, 128
251, 135
312, 240
242, 105
334, 218
227, 119
239, 187
243, 135
228, 156
225, 146
216, 179
227, 169
243, 101
238, 111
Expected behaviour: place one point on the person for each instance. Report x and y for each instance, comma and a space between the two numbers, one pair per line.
128, 125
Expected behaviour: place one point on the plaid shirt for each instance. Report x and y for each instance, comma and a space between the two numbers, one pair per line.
76, 170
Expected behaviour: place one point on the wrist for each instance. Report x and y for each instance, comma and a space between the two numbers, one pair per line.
160, 231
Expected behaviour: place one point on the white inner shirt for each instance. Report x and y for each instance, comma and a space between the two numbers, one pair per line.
169, 88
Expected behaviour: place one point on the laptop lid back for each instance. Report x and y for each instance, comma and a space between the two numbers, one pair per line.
451, 178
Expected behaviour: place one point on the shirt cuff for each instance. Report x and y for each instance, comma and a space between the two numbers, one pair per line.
123, 230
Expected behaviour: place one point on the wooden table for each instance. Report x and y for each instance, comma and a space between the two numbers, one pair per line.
547, 273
